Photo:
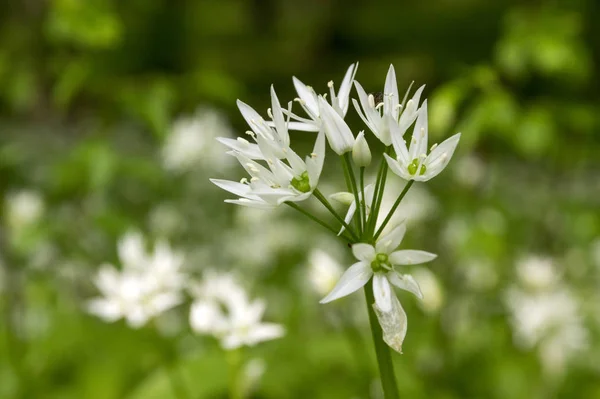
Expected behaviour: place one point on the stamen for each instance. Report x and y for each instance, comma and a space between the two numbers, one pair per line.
330, 84
433, 147
254, 179
381, 104
313, 155
243, 140
371, 101
422, 132
270, 113
244, 180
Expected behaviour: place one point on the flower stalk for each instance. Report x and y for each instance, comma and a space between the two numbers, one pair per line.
382, 351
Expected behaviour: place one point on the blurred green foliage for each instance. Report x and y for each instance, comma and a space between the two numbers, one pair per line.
89, 91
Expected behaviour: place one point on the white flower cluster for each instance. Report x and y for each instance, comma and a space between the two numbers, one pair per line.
191, 142
545, 314
147, 284
278, 175
222, 309
150, 283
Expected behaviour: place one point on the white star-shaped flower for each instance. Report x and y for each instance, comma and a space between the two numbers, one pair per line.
377, 115
414, 163
379, 263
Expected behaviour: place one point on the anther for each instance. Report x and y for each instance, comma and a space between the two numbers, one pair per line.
433, 147
330, 84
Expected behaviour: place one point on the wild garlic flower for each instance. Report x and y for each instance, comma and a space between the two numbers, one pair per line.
147, 285
222, 309
414, 163
191, 142
377, 115
286, 177
379, 262
309, 101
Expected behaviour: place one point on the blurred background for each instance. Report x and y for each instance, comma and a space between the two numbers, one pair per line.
108, 114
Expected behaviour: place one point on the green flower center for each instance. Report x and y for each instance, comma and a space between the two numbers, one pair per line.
301, 183
414, 165
381, 262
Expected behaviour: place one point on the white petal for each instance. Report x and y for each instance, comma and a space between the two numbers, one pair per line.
303, 127
239, 189
307, 95
382, 292
418, 144
393, 323
363, 252
396, 136
265, 332
411, 257
392, 240
397, 168
105, 309
344, 92
279, 120
232, 341
314, 162
440, 156
391, 87
250, 150
353, 279
349, 216
338, 133
405, 282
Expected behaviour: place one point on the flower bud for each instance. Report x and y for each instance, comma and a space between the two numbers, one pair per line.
361, 154
342, 197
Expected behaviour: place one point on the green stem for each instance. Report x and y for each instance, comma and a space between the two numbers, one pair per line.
312, 217
394, 207
327, 205
378, 195
364, 200
234, 358
177, 382
384, 358
349, 171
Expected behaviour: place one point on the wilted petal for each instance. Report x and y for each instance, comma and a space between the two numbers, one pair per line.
411, 257
354, 278
393, 323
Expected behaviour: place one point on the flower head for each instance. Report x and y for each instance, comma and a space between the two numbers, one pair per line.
414, 163
222, 309
147, 285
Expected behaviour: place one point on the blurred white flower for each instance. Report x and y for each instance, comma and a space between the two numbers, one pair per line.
379, 262
23, 208
223, 309
131, 295
147, 285
323, 271
546, 314
469, 170
537, 273
192, 142
433, 293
